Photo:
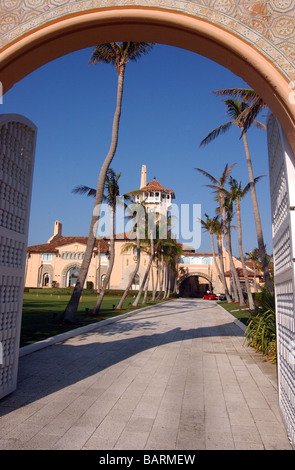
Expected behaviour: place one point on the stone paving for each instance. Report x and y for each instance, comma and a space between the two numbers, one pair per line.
177, 376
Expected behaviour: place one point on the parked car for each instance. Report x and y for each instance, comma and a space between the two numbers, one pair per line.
209, 296
221, 297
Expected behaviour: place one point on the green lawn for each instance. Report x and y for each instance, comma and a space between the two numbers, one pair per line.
41, 313
241, 313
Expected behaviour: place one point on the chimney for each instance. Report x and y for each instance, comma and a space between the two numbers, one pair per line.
57, 231
143, 176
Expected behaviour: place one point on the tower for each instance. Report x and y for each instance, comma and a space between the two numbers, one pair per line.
154, 194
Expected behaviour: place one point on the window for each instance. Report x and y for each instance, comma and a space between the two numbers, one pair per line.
206, 260
47, 256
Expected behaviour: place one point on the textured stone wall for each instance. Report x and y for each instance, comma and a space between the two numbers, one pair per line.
282, 174
267, 25
17, 152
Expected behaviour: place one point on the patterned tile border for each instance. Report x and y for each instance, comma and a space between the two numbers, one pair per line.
268, 25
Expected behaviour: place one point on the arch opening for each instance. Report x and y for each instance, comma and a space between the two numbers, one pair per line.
194, 285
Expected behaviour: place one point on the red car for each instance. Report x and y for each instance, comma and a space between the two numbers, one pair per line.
210, 296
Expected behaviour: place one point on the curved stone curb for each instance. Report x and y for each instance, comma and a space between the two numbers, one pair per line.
235, 320
25, 350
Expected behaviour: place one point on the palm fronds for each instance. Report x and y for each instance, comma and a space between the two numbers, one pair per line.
261, 328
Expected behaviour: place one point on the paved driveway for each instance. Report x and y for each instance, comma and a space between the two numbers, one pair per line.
177, 376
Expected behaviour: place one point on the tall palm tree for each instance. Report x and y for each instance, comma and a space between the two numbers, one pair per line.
117, 54
243, 115
236, 193
218, 187
209, 225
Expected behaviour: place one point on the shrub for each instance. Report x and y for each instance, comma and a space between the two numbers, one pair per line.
261, 328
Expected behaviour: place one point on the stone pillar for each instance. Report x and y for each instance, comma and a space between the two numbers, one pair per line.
282, 189
17, 152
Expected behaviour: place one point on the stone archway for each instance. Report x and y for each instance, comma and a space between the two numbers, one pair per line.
254, 39
65, 273
188, 285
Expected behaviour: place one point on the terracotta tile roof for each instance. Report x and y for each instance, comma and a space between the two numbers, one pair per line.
193, 253
53, 246
241, 274
154, 185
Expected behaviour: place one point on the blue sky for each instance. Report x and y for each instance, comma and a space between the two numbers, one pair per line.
168, 108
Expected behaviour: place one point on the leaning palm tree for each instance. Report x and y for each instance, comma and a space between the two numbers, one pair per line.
117, 54
218, 187
236, 193
243, 115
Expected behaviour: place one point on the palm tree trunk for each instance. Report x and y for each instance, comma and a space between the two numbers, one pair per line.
153, 284
157, 281
162, 280
120, 304
228, 246
220, 254
146, 289
257, 219
215, 261
239, 223
96, 309
70, 313
135, 303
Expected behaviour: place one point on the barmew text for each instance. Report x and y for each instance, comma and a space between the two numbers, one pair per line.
166, 459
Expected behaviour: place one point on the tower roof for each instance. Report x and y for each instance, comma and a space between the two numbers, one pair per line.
154, 185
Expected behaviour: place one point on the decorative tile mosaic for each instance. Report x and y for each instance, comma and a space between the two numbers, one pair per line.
269, 25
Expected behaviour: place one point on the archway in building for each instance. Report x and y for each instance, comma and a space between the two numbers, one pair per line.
194, 285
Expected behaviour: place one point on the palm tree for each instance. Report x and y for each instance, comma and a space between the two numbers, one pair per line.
209, 225
243, 116
253, 256
237, 193
218, 187
140, 224
146, 274
218, 231
117, 54
111, 197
